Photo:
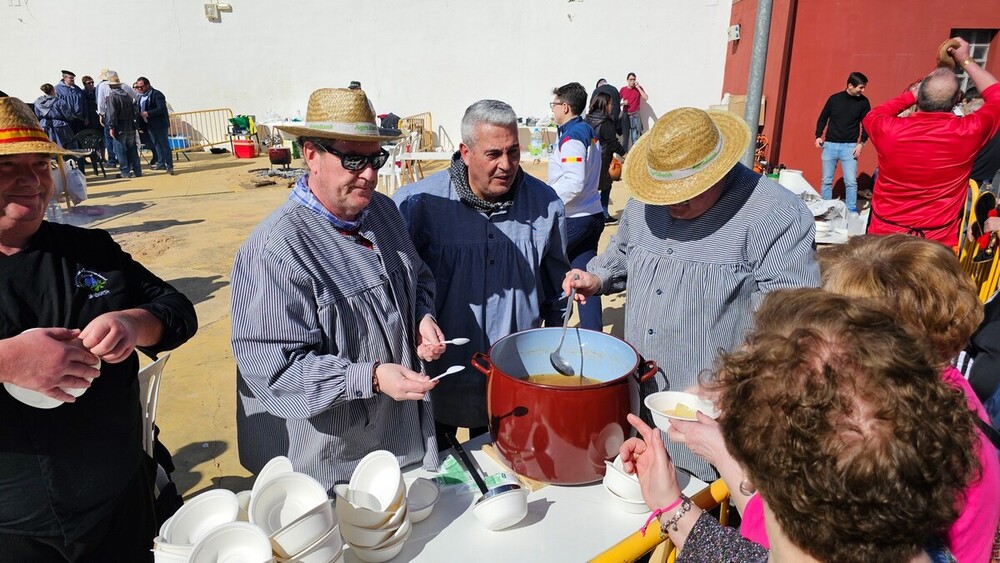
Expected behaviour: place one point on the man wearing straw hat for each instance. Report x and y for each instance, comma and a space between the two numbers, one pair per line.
702, 241
75, 482
332, 311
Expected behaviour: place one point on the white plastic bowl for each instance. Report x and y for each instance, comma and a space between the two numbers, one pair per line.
378, 555
182, 551
326, 549
200, 515
366, 537
421, 498
305, 530
284, 499
233, 543
502, 507
277, 466
660, 404
620, 482
630, 506
359, 509
244, 499
378, 474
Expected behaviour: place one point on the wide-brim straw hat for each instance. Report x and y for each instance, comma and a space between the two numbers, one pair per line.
339, 113
20, 132
103, 75
685, 153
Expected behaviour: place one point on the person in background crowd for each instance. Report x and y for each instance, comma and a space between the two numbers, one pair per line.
54, 114
75, 481
91, 120
575, 175
121, 116
142, 128
845, 137
925, 159
987, 163
632, 95
599, 117
333, 310
616, 102
73, 97
839, 419
702, 241
497, 274
153, 111
103, 92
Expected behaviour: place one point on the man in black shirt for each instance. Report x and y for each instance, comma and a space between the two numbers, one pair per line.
841, 117
75, 482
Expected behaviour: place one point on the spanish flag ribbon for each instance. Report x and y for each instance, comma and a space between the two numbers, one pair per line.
572, 159
22, 134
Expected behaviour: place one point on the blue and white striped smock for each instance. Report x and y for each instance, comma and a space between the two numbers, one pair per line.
693, 285
312, 311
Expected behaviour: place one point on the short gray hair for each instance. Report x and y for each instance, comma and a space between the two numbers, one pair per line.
489, 112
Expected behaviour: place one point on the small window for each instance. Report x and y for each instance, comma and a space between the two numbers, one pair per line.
979, 46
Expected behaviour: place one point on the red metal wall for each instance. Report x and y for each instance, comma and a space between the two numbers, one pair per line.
814, 45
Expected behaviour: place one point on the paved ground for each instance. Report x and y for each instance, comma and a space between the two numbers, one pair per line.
187, 228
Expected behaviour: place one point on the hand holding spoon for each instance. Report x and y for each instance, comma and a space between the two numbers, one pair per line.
449, 371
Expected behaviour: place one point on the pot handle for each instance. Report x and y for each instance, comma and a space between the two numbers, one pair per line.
650, 370
480, 357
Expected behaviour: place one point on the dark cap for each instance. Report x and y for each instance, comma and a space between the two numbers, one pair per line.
355, 85
69, 72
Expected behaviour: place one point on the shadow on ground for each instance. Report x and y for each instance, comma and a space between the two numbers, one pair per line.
118, 193
150, 226
199, 289
190, 456
91, 215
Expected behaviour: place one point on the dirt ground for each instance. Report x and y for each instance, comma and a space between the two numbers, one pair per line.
186, 229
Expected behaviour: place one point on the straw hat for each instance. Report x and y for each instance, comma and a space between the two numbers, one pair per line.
686, 152
113, 80
20, 132
339, 113
103, 75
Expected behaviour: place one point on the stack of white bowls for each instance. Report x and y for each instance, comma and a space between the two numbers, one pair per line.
624, 488
286, 517
372, 508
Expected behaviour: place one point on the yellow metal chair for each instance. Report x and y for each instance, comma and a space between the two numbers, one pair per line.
635, 546
985, 275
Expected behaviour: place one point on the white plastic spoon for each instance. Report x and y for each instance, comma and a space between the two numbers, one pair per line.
449, 371
456, 341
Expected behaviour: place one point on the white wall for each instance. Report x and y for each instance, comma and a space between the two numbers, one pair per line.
422, 55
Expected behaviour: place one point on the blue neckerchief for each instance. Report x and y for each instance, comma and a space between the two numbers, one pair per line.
302, 195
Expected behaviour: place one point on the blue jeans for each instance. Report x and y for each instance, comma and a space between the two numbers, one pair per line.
634, 130
843, 153
127, 152
164, 157
582, 236
109, 146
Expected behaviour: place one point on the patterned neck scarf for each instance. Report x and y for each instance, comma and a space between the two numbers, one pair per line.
302, 195
460, 179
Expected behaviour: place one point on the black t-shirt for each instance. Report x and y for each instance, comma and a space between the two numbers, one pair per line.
844, 113
987, 162
63, 469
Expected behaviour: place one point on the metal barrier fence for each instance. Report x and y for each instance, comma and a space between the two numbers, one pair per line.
193, 130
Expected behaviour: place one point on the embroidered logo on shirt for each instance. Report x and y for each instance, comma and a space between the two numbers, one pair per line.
93, 282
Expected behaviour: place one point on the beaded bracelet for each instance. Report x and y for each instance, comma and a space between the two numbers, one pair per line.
671, 523
656, 513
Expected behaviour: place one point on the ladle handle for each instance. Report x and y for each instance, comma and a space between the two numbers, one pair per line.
467, 462
569, 311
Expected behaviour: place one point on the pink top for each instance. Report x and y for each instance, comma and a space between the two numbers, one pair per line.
970, 538
632, 98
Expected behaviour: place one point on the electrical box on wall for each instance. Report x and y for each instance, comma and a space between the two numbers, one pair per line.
734, 32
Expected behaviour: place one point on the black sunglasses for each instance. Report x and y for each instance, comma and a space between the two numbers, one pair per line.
355, 162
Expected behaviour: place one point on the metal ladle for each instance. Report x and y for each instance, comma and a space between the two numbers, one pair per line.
560, 363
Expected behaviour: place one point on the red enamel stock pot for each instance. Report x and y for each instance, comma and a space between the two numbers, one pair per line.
554, 433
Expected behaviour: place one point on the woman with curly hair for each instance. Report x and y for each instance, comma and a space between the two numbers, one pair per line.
856, 446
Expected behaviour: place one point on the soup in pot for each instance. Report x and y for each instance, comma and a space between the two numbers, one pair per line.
561, 380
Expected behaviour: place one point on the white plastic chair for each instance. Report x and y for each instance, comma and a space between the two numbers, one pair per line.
390, 175
149, 392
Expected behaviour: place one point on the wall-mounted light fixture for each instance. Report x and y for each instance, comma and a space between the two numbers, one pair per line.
213, 11
734, 32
